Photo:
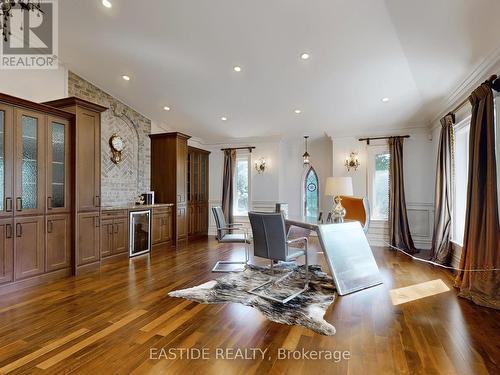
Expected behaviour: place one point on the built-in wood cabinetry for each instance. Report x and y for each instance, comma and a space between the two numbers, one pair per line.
114, 233
162, 226
86, 178
35, 190
169, 172
58, 241
197, 192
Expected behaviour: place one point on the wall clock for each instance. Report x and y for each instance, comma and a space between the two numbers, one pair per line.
117, 145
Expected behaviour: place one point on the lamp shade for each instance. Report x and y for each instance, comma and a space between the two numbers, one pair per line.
338, 186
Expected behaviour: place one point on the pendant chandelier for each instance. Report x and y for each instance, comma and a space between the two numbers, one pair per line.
306, 154
6, 7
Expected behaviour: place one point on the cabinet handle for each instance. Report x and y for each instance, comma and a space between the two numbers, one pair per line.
49, 203
8, 205
19, 230
8, 231
19, 204
49, 226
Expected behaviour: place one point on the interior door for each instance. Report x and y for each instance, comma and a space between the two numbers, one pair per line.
106, 237
88, 238
30, 163
29, 246
6, 251
58, 242
6, 161
120, 235
58, 165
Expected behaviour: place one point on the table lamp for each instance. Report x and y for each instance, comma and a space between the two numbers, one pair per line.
335, 187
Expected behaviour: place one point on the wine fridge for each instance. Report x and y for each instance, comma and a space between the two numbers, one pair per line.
140, 232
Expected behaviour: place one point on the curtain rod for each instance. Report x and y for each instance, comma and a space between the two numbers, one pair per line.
495, 83
375, 138
249, 148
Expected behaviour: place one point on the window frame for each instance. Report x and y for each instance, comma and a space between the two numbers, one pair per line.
246, 155
372, 151
304, 188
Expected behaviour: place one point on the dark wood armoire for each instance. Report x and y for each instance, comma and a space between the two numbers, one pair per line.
176, 177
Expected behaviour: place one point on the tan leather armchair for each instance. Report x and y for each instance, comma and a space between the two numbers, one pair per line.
357, 209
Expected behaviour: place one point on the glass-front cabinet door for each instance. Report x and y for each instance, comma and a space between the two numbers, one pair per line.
58, 159
30, 163
6, 157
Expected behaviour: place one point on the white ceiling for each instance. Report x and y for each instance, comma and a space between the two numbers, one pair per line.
181, 53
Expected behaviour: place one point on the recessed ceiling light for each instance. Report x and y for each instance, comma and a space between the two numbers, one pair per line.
385, 100
237, 68
223, 118
166, 108
305, 56
298, 111
107, 3
126, 78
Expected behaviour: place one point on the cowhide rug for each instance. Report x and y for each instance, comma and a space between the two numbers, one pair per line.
306, 310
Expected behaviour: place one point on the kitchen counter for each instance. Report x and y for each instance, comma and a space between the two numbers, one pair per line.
136, 207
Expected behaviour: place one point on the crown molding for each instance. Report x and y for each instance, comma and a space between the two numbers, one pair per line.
488, 66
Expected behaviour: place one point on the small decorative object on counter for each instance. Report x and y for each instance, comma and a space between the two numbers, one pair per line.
329, 218
139, 200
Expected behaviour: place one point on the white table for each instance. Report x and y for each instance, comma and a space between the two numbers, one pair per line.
347, 253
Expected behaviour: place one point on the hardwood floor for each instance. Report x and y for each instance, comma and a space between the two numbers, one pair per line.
108, 322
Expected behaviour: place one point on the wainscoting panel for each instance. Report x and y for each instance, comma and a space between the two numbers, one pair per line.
421, 219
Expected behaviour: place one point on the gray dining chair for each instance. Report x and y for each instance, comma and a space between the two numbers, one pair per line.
226, 234
270, 241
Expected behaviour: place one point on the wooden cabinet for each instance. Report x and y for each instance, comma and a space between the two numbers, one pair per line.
6, 251
162, 226
114, 233
169, 173
85, 177
29, 246
6, 160
88, 231
29, 162
58, 242
197, 192
58, 170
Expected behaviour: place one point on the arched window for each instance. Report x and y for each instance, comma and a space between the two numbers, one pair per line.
311, 193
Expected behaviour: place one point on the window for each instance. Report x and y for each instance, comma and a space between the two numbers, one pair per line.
461, 166
241, 185
378, 182
311, 193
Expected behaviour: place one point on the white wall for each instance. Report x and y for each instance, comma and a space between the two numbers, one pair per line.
419, 166
282, 180
35, 85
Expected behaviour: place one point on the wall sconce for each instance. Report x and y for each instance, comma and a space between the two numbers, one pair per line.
352, 161
260, 165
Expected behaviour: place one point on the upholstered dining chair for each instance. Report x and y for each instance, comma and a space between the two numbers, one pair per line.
226, 234
357, 209
270, 242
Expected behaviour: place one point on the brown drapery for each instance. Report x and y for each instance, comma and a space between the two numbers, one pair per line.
227, 184
399, 229
441, 251
481, 248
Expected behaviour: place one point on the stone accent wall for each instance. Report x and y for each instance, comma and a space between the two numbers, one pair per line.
120, 183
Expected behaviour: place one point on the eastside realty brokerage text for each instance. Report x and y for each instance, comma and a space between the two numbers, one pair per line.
205, 354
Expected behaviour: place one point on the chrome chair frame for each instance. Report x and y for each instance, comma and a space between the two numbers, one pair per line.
231, 228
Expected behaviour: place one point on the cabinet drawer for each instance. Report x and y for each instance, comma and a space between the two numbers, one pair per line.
113, 213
